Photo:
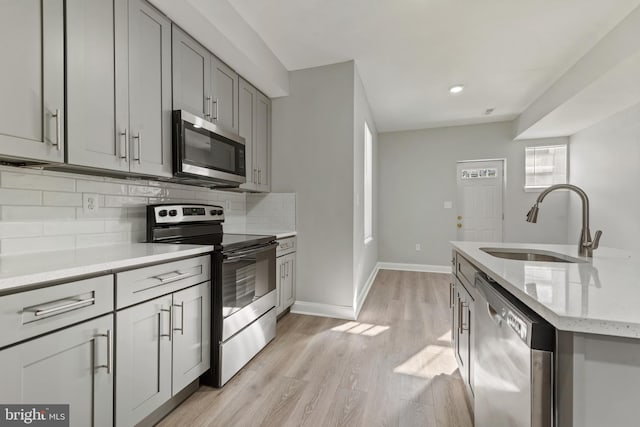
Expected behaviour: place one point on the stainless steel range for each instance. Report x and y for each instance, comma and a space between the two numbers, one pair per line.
244, 282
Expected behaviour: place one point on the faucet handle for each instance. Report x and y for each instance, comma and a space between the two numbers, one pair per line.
596, 240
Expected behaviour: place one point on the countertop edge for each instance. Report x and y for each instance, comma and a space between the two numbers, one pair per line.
562, 323
15, 284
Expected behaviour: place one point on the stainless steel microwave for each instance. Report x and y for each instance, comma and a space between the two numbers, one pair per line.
203, 151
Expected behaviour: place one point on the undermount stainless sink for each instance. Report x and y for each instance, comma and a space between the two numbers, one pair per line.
530, 255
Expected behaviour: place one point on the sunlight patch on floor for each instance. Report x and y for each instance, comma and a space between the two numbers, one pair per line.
357, 328
430, 361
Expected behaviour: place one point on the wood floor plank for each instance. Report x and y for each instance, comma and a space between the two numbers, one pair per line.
392, 367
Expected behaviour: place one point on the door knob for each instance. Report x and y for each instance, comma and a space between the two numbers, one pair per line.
459, 225
459, 217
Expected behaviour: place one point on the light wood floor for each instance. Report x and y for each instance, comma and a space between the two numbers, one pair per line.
393, 367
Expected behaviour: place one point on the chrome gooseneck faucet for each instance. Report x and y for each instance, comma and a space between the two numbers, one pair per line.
585, 244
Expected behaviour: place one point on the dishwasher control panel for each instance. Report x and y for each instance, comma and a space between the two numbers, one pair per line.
517, 324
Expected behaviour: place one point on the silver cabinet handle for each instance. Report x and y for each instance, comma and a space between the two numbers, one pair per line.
207, 104
138, 139
108, 365
170, 277
255, 175
259, 177
123, 143
181, 328
58, 128
65, 307
459, 316
450, 295
165, 310
216, 102
464, 326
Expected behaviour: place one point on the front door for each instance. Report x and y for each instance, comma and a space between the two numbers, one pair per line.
480, 200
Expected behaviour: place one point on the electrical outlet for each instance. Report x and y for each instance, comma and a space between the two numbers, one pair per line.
90, 203
418, 247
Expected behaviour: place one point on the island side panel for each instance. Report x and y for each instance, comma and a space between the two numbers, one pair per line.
599, 384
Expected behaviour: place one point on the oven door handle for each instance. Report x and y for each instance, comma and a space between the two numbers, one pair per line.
253, 250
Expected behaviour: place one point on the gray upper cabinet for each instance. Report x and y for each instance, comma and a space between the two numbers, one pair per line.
150, 90
191, 75
246, 122
73, 366
254, 120
118, 86
263, 142
97, 99
202, 84
224, 83
32, 84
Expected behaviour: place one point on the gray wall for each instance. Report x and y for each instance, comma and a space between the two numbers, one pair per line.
365, 257
418, 174
604, 162
312, 155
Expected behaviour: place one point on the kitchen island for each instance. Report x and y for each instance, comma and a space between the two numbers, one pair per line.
594, 304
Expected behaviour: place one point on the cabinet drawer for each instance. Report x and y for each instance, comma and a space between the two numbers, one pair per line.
466, 272
27, 314
142, 284
286, 246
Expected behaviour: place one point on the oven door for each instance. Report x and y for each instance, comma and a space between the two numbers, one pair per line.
204, 150
248, 286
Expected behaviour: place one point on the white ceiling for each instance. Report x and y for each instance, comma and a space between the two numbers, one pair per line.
409, 52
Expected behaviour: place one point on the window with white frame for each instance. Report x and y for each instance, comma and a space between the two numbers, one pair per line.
545, 166
368, 184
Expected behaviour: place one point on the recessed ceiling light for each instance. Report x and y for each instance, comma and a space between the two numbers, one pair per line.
456, 89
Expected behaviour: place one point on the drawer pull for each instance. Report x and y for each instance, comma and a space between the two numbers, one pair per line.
74, 304
170, 277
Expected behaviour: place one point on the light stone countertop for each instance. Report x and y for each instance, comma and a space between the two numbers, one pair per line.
279, 233
600, 296
27, 270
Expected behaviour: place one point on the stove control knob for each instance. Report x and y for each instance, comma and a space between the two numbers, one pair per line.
173, 212
213, 212
163, 213
220, 212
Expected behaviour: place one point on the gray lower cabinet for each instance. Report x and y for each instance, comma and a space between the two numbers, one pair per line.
286, 270
118, 86
192, 334
255, 127
191, 75
463, 324
32, 84
143, 357
162, 346
73, 366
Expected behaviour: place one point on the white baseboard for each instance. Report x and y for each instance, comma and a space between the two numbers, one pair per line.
365, 289
414, 267
352, 313
323, 310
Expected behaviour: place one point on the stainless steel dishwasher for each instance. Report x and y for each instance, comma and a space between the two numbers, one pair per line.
514, 361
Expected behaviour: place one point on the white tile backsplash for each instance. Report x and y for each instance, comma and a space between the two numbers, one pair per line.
275, 211
42, 210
